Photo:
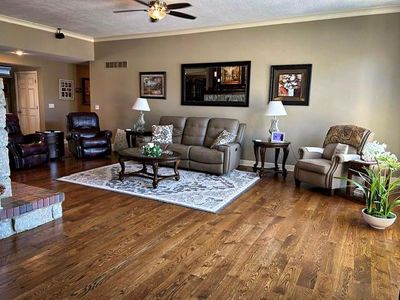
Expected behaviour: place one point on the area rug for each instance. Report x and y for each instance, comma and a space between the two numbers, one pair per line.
194, 189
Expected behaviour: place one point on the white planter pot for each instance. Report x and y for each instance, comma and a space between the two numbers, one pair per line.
377, 223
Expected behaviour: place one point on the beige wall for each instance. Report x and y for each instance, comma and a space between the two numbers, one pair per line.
356, 76
43, 42
48, 74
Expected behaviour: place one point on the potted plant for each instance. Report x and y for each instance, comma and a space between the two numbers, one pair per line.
379, 188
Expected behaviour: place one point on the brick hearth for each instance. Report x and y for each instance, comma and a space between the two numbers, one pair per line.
28, 208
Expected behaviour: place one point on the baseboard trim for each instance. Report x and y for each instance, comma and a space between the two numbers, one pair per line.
250, 163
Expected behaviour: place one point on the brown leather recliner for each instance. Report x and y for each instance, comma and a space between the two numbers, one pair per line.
25, 151
85, 139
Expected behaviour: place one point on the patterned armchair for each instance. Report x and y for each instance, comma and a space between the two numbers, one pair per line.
321, 166
85, 139
25, 151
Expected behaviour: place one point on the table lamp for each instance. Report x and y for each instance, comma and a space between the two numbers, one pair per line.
140, 105
275, 109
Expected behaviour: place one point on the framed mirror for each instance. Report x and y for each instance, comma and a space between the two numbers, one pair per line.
216, 84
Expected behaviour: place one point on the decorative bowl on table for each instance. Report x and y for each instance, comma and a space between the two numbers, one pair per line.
152, 150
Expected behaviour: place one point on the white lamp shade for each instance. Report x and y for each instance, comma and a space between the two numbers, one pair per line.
275, 108
141, 104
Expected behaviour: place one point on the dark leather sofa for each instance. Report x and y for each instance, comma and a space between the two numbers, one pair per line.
193, 136
25, 151
85, 139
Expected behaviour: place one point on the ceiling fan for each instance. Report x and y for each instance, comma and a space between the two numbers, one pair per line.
158, 9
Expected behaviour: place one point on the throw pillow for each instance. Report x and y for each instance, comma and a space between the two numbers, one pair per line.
120, 140
341, 149
328, 151
162, 134
223, 138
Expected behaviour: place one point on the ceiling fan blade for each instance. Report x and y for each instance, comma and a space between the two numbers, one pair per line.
142, 2
178, 5
127, 10
181, 15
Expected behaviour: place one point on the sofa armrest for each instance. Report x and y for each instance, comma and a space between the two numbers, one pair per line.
232, 152
106, 133
73, 135
240, 133
226, 147
342, 158
310, 152
34, 138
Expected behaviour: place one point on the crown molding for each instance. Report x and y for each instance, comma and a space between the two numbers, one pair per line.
42, 27
336, 15
318, 17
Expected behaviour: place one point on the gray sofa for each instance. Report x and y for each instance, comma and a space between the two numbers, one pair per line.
193, 136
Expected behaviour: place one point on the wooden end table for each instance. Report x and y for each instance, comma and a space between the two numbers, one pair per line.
131, 136
260, 146
55, 142
137, 155
356, 166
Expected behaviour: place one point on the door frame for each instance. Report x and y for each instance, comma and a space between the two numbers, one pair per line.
36, 92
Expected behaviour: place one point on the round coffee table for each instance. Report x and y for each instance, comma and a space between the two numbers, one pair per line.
137, 155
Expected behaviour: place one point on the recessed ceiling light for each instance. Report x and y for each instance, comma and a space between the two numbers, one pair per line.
19, 52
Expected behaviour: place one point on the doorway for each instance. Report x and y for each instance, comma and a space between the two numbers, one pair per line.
27, 100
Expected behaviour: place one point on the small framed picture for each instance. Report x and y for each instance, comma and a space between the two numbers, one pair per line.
277, 137
65, 89
153, 85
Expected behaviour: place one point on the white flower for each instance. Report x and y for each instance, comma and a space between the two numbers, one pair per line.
151, 145
372, 150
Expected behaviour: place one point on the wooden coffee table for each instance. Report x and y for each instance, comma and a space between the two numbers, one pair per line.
137, 155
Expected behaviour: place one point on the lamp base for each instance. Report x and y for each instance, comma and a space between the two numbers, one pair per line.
274, 125
139, 124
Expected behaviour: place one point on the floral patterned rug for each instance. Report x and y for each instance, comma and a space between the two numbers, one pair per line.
194, 189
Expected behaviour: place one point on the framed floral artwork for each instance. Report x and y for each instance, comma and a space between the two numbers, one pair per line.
153, 85
290, 84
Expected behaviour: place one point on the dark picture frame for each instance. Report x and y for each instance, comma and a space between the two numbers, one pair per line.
153, 85
290, 84
85, 91
216, 84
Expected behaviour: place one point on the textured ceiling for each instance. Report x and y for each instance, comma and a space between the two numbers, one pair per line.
95, 17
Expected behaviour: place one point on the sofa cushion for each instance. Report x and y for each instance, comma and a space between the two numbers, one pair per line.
88, 133
206, 155
223, 138
178, 124
82, 120
340, 149
336, 148
316, 165
328, 150
195, 131
216, 126
183, 150
33, 149
162, 134
94, 142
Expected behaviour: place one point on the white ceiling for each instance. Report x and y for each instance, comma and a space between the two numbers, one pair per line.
95, 18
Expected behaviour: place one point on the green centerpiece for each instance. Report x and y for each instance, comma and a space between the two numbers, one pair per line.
152, 150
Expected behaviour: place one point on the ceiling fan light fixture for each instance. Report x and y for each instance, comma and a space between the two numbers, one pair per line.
158, 10
59, 35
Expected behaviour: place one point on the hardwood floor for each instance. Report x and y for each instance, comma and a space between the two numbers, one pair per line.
274, 242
